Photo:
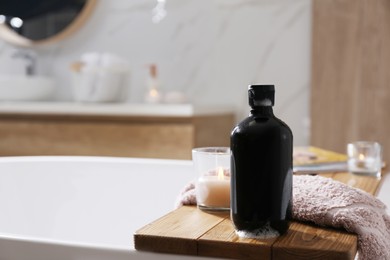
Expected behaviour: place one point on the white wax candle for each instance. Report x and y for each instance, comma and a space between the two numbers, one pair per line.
214, 191
365, 165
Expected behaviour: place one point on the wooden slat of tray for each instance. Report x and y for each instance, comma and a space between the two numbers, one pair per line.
191, 231
304, 241
221, 241
177, 232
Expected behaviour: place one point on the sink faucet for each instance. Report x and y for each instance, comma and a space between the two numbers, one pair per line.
31, 60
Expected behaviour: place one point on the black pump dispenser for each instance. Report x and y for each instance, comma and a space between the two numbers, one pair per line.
261, 166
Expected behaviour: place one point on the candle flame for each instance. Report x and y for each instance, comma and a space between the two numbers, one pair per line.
220, 173
361, 156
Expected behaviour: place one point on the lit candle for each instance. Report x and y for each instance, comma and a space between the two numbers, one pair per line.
213, 190
363, 164
365, 158
213, 186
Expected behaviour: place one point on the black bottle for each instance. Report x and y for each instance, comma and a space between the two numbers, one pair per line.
261, 166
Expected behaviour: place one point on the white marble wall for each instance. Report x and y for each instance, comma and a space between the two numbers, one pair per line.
211, 50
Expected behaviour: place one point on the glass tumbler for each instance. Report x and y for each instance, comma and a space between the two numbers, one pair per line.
212, 165
365, 158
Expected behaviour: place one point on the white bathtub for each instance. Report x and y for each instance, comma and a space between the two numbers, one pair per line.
83, 207
61, 208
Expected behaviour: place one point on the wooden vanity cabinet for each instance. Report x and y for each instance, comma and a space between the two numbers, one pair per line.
168, 137
350, 89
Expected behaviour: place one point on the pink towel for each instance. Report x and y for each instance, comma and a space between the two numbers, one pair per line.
327, 202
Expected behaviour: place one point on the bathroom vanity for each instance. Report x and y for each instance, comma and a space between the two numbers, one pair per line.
128, 130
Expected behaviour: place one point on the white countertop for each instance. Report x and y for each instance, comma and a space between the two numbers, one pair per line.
113, 109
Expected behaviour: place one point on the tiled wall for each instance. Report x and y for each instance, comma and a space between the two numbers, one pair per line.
208, 49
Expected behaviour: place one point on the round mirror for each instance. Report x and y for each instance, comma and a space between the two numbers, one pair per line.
32, 22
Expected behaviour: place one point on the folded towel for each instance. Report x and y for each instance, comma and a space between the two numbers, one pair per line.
327, 202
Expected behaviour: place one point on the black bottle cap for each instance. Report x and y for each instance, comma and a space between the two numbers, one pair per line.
261, 95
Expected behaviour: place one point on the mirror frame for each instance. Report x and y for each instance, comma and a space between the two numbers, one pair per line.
12, 37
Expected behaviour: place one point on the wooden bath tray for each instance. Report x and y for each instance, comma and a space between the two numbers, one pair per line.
190, 231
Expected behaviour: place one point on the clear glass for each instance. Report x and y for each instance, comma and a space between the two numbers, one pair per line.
212, 165
365, 158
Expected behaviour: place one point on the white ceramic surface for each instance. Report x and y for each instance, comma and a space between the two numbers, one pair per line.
26, 88
83, 207
384, 191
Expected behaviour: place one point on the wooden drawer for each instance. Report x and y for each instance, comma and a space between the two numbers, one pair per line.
148, 137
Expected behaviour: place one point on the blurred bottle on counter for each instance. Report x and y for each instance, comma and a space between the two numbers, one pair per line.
153, 94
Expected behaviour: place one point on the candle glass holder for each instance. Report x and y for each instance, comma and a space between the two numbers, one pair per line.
212, 165
365, 158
